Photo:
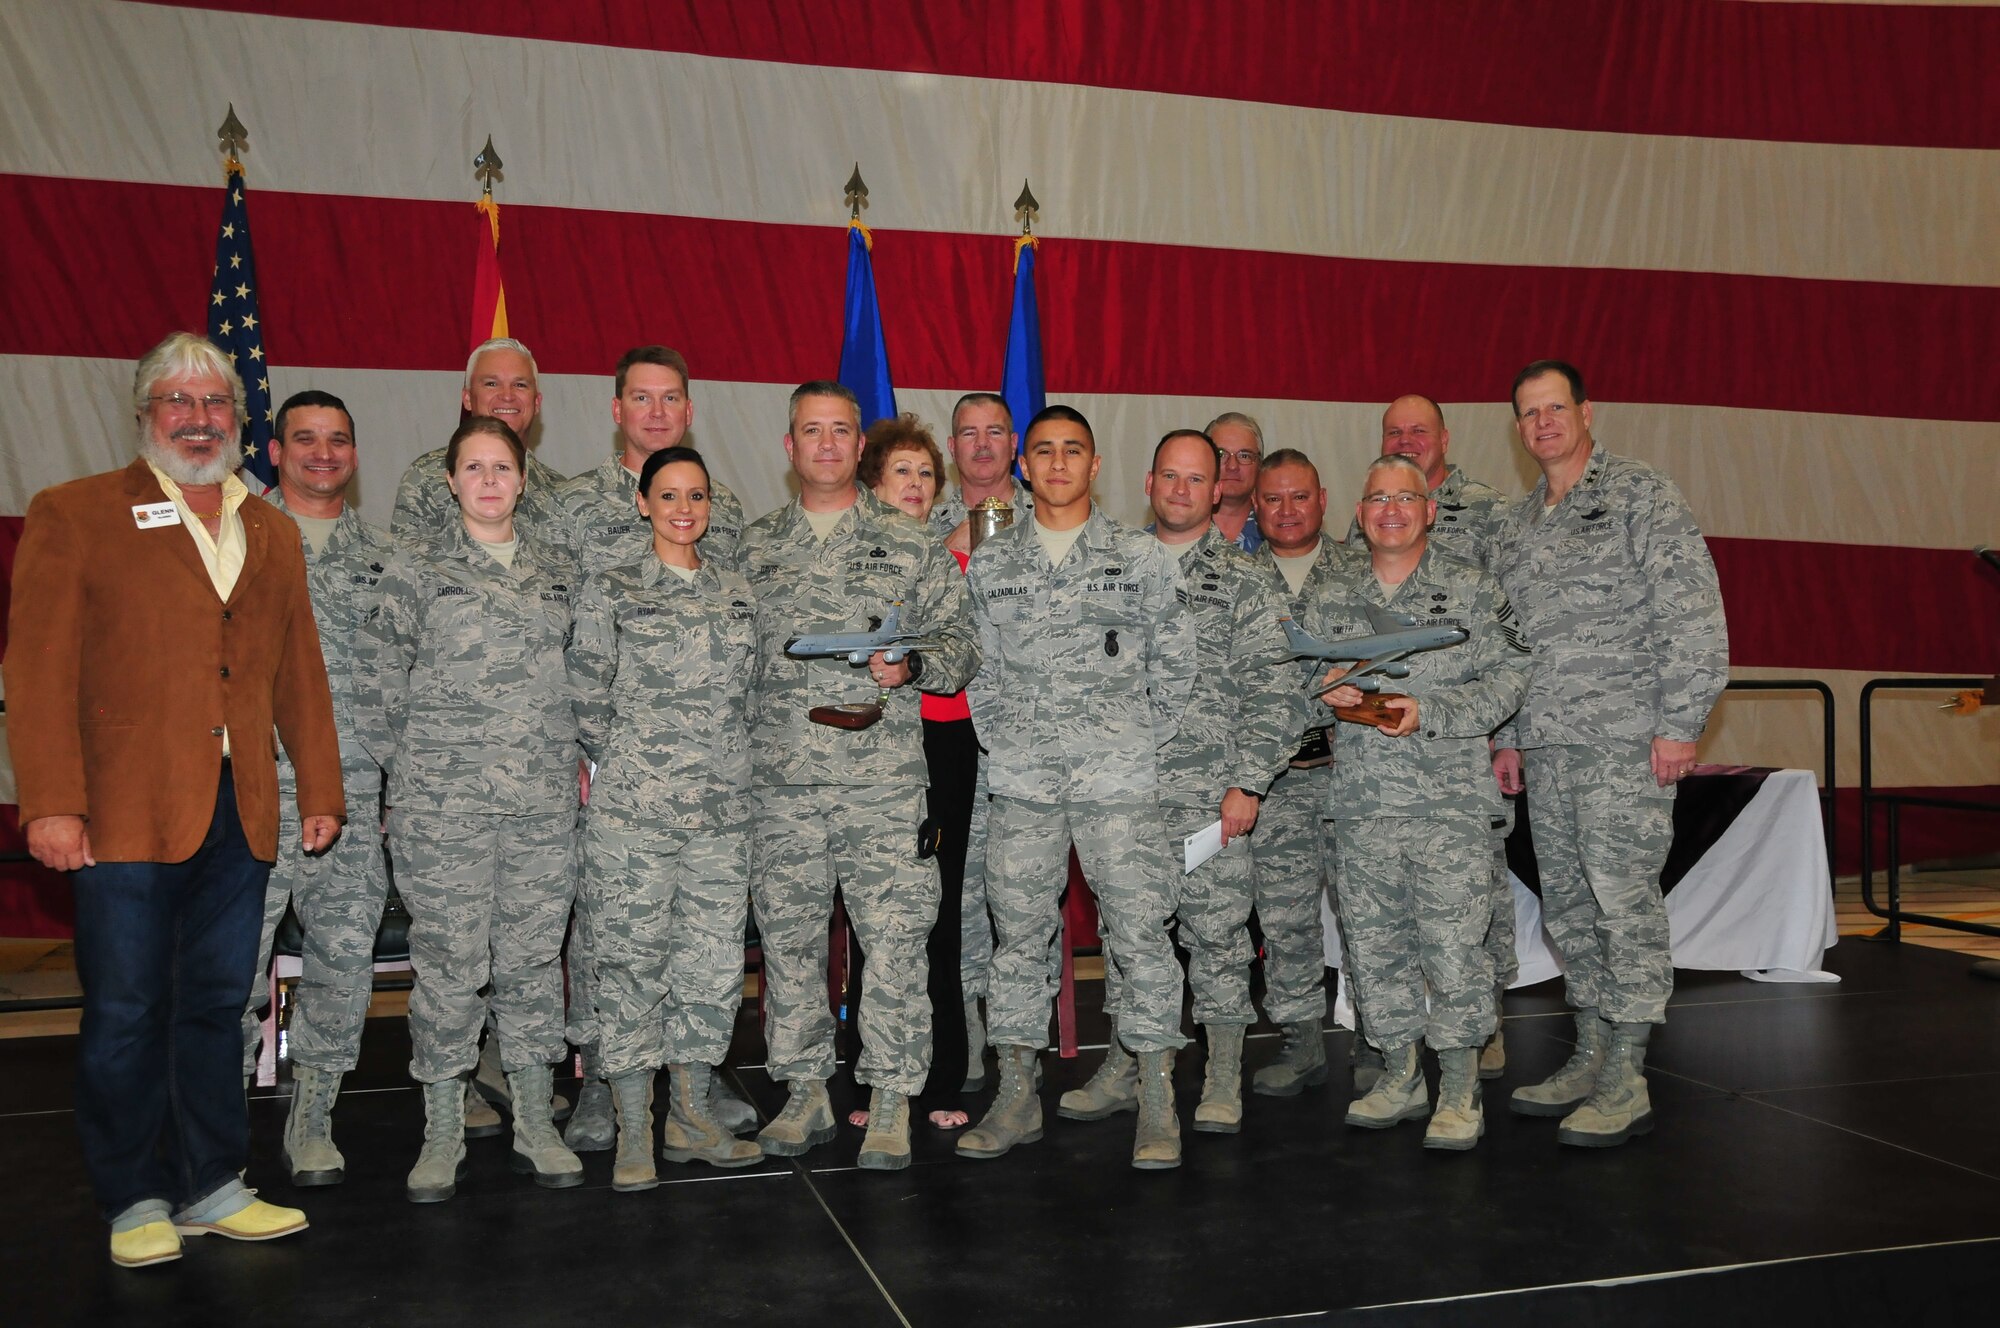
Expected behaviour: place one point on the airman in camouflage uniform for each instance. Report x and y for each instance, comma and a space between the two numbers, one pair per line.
983, 448
843, 806
1289, 849
662, 668
465, 701
600, 526
1089, 659
500, 383
1237, 735
1467, 512
339, 893
1619, 598
1412, 811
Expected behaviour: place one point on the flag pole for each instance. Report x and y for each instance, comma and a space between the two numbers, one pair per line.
489, 291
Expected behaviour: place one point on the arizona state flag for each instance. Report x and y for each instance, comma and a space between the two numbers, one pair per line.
489, 296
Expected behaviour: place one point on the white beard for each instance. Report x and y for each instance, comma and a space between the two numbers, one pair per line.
191, 474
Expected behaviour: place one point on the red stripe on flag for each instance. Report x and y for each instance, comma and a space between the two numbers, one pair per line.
1818, 73
380, 283
1794, 605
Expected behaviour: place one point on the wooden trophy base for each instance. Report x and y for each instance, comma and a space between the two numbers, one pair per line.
1371, 712
845, 716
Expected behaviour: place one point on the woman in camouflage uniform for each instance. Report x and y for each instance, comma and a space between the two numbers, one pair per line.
661, 664
465, 702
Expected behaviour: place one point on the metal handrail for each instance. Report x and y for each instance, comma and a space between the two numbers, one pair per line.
1827, 813
1894, 803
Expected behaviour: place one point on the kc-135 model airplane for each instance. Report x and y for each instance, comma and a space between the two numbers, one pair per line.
1379, 656
883, 635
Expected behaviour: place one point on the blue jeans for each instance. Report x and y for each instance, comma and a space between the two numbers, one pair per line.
166, 952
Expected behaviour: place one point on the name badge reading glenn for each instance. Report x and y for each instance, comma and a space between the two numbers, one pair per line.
148, 515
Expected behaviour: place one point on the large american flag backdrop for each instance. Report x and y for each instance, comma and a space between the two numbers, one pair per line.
1769, 233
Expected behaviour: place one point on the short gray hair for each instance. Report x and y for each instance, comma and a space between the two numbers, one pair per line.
1238, 417
501, 343
1397, 461
184, 355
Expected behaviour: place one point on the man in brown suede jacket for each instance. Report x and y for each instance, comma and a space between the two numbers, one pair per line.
160, 633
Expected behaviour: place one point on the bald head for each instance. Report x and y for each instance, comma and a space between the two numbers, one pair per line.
1413, 426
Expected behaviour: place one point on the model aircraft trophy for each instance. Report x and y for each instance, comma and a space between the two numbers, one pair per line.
1374, 658
884, 637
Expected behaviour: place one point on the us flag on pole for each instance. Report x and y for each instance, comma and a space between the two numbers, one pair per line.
233, 323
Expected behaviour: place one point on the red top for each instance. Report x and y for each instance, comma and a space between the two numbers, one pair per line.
953, 706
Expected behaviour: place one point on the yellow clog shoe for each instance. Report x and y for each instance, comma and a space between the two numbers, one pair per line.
256, 1220
155, 1242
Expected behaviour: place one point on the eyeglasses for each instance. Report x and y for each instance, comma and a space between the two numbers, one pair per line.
1246, 457
182, 403
1399, 499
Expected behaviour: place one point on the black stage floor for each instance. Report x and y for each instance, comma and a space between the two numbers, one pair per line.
1824, 1155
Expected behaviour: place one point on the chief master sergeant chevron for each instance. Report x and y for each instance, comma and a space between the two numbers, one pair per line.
1618, 597
1089, 659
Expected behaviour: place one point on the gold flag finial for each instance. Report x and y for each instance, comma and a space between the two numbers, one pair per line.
856, 194
486, 166
1026, 209
233, 137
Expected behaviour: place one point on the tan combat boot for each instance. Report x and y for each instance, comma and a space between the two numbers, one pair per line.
435, 1176
692, 1133
886, 1146
632, 1167
1016, 1114
806, 1121
1399, 1095
1618, 1106
1301, 1065
1565, 1090
538, 1149
1114, 1088
1221, 1108
482, 1121
309, 1153
1156, 1143
1459, 1119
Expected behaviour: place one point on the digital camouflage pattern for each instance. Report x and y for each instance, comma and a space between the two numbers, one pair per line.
1463, 693
464, 698
1619, 600
840, 806
806, 839
1088, 666
425, 507
1602, 827
1412, 816
339, 894
1242, 721
661, 669
462, 693
488, 896
1415, 904
1289, 845
600, 524
1240, 730
874, 559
